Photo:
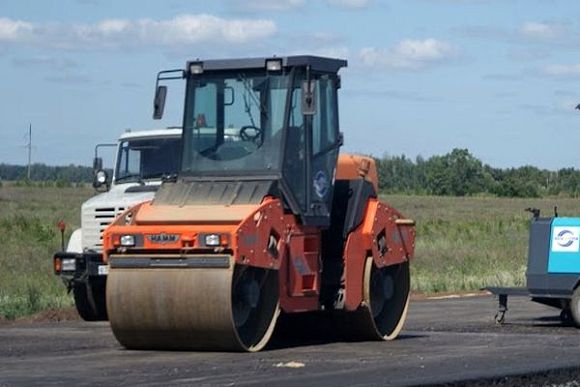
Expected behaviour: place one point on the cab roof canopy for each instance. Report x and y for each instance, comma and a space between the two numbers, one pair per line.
316, 63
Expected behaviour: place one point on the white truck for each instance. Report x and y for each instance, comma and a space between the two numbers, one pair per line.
143, 160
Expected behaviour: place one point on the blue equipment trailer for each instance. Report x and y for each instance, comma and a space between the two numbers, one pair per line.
553, 274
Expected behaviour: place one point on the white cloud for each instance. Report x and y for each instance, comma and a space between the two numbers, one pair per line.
189, 29
559, 70
408, 54
121, 33
14, 30
352, 4
542, 31
113, 26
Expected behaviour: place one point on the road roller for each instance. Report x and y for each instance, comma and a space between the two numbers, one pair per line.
265, 218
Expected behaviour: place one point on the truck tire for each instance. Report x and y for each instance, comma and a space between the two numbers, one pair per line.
575, 307
90, 300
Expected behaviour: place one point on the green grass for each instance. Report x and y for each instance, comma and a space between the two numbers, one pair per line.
462, 243
467, 243
28, 239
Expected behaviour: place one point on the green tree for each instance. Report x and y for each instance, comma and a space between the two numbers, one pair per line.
456, 173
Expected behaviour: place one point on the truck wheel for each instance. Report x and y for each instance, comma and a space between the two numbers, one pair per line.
575, 307
90, 300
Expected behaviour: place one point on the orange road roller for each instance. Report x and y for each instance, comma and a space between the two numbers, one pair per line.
264, 218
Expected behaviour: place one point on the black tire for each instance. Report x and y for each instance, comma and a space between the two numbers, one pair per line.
90, 300
575, 307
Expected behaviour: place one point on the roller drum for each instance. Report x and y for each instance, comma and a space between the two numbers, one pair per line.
231, 309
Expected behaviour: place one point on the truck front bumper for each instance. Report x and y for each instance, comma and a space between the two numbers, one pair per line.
78, 267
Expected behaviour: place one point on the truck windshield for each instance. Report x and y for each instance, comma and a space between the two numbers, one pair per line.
150, 158
234, 122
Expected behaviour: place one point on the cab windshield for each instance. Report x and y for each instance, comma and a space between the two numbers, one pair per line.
234, 122
142, 159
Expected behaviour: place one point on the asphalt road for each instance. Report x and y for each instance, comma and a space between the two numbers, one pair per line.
453, 341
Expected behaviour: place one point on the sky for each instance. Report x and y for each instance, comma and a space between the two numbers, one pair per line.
498, 77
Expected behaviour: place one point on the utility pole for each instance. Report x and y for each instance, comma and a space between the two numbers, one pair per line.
29, 146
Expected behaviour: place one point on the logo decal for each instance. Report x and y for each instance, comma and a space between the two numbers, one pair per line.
566, 239
163, 238
320, 184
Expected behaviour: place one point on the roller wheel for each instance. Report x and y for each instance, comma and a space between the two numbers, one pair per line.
233, 309
90, 300
386, 300
255, 305
575, 307
387, 293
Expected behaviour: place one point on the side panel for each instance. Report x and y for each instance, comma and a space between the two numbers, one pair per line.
564, 254
538, 250
300, 271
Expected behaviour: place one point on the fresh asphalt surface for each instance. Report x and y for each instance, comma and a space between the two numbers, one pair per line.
444, 341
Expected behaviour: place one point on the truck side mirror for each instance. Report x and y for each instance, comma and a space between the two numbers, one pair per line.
159, 102
97, 164
308, 98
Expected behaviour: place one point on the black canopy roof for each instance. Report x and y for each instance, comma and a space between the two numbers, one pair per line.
316, 63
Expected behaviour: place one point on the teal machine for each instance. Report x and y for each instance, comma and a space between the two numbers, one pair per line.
553, 273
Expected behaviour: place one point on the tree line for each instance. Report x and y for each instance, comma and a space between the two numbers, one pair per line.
42, 172
457, 173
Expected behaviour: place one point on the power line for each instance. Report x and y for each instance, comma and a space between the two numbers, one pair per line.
29, 146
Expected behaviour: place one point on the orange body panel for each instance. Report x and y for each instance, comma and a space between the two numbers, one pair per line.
353, 167
220, 214
380, 221
247, 239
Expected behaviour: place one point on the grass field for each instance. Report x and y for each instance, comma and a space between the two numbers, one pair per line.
465, 243
28, 239
462, 243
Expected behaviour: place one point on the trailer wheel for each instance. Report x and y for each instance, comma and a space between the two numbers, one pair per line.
90, 300
575, 307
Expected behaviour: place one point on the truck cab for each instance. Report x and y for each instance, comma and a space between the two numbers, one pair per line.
143, 160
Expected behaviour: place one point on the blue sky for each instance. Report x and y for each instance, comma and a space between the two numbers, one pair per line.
499, 77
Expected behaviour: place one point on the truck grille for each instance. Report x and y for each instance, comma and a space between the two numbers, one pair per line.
96, 224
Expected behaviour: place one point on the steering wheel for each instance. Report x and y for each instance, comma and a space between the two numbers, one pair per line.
249, 136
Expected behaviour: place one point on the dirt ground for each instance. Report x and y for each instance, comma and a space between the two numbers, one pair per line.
451, 341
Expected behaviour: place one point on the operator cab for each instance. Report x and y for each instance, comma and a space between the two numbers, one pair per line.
265, 120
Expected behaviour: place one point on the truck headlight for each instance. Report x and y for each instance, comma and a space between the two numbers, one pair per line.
127, 240
212, 240
68, 264
101, 177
